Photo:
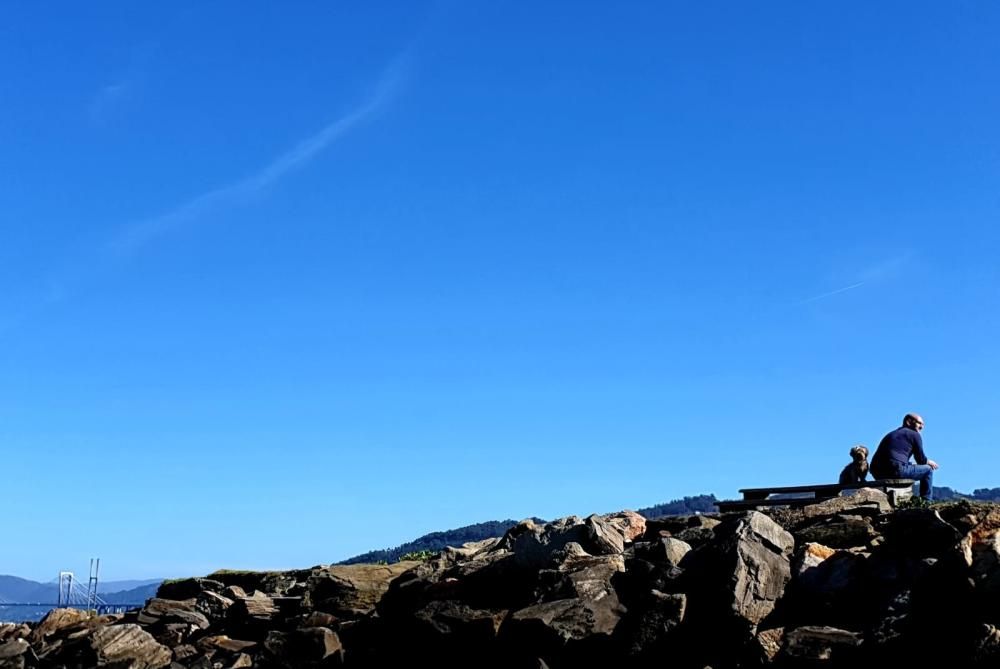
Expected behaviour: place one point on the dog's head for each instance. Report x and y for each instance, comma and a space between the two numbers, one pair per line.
859, 453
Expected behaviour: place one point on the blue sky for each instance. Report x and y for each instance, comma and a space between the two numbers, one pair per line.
279, 285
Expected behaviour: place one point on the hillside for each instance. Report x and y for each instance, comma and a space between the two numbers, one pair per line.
436, 541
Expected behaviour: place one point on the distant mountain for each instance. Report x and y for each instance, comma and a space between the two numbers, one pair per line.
136, 595
119, 586
979, 494
14, 589
21, 590
435, 541
681, 507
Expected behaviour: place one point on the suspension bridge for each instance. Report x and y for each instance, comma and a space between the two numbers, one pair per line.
70, 593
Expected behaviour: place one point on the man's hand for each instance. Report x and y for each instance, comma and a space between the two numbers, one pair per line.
933, 464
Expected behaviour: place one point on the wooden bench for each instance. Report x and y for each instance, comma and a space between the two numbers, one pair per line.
896, 489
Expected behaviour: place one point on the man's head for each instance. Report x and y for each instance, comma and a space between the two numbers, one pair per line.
913, 421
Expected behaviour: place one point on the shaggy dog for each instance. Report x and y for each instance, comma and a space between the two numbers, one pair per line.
857, 471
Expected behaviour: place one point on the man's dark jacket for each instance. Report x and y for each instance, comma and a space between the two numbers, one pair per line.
895, 449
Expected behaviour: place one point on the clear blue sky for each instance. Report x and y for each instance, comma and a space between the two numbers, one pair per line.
282, 284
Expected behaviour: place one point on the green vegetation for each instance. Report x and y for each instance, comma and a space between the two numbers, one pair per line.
417, 556
435, 541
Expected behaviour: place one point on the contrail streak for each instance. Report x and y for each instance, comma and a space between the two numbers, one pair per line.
138, 234
832, 292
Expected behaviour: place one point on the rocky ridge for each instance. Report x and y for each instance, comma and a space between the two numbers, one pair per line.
844, 582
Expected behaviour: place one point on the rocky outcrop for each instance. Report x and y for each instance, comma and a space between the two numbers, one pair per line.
842, 583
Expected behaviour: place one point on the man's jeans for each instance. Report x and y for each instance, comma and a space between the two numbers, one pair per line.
922, 473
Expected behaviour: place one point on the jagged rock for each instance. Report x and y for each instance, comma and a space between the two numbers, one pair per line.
57, 620
212, 605
128, 646
234, 592
350, 591
987, 646
804, 646
864, 500
12, 653
839, 532
696, 536
673, 550
494, 581
158, 610
668, 526
920, 533
550, 625
172, 634
275, 643
980, 550
829, 592
257, 605
223, 642
203, 662
649, 629
242, 660
319, 619
275, 583
666, 550
642, 576
188, 588
473, 626
747, 567
808, 556
534, 545
9, 631
580, 575
770, 642
183, 652
629, 523
470, 550
312, 644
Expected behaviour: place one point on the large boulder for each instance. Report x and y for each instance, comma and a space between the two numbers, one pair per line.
534, 546
919, 533
547, 626
158, 610
13, 653
865, 501
128, 646
351, 591
746, 567
840, 531
57, 620
313, 644
648, 630
188, 588
580, 575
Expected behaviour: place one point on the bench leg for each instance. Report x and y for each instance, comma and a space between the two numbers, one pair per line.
897, 495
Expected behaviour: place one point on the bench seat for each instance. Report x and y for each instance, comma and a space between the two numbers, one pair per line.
897, 489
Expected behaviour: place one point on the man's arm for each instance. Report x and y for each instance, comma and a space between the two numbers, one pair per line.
918, 448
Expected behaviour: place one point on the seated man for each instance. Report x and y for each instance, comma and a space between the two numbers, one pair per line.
892, 457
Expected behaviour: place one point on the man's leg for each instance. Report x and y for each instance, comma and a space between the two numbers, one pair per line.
922, 473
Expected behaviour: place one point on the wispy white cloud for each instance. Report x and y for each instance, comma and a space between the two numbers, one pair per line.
887, 268
107, 99
138, 234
